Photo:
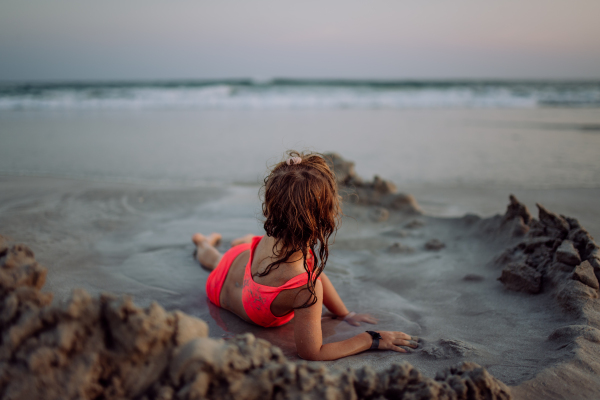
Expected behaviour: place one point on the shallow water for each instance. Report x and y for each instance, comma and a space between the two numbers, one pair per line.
462, 147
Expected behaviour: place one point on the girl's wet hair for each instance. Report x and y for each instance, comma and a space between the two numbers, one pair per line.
302, 210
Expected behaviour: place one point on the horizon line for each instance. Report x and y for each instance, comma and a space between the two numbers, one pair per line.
294, 80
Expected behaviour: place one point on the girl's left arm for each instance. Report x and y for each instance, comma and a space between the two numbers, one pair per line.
333, 302
331, 298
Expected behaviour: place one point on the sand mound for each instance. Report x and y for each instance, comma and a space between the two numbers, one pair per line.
558, 257
377, 192
556, 254
91, 348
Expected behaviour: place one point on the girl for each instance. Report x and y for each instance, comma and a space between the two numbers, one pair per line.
268, 280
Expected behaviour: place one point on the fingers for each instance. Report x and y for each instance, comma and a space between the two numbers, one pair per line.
356, 322
407, 343
402, 335
398, 349
393, 341
407, 340
356, 319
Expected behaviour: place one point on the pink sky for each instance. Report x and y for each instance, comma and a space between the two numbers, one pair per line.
148, 39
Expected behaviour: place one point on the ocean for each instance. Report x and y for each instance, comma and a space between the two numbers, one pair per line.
286, 94
451, 134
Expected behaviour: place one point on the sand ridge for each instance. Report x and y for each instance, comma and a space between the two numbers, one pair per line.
558, 256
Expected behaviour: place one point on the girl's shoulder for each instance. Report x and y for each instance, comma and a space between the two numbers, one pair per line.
278, 274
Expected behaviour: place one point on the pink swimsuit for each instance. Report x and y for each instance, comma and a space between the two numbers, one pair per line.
256, 298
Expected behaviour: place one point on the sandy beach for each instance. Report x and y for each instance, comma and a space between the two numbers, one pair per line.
429, 275
108, 203
464, 138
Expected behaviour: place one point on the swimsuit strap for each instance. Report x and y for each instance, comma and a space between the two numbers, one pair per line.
298, 280
257, 298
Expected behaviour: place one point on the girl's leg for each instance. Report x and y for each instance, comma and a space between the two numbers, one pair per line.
206, 254
244, 239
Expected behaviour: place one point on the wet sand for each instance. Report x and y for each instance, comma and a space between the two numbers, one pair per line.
135, 240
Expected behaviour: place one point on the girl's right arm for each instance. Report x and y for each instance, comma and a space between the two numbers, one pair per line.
333, 302
309, 338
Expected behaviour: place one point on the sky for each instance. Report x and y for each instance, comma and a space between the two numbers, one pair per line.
43, 40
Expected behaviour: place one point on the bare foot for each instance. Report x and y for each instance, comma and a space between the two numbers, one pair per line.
213, 239
241, 240
205, 252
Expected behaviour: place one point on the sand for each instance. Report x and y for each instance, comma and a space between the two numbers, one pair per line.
92, 348
430, 276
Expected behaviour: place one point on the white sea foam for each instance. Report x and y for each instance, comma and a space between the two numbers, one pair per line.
298, 95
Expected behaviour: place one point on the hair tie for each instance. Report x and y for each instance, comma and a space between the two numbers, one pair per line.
293, 160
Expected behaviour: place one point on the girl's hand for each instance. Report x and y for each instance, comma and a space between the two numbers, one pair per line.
355, 319
391, 341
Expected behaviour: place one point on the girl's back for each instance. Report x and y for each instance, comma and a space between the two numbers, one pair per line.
277, 277
237, 284
264, 255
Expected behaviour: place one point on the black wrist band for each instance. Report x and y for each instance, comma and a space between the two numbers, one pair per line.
376, 336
